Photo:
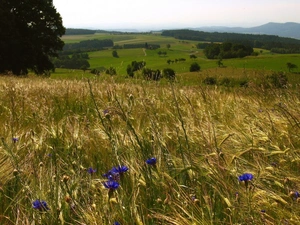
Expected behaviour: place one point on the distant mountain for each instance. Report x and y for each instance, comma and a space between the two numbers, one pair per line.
291, 30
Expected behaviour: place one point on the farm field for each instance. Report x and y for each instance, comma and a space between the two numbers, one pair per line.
264, 63
172, 154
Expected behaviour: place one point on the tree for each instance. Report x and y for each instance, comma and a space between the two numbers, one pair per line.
135, 66
84, 68
212, 51
291, 66
115, 54
111, 71
220, 62
30, 35
194, 67
210, 81
164, 53
150, 74
169, 73
193, 56
76, 61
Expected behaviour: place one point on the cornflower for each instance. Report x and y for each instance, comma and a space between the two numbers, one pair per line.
40, 205
116, 172
246, 177
111, 185
112, 176
151, 161
295, 195
91, 170
119, 169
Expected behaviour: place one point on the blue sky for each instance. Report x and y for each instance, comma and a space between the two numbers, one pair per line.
159, 14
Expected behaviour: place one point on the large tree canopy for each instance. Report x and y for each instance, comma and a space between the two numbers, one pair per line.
30, 34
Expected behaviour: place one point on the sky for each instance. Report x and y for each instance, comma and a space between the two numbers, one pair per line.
162, 14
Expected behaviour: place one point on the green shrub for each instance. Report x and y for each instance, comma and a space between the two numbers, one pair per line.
169, 73
194, 67
226, 82
95, 71
278, 80
111, 71
210, 81
243, 83
150, 74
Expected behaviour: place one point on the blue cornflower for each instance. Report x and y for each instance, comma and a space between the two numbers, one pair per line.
193, 198
151, 161
91, 170
275, 164
295, 195
116, 172
111, 184
15, 139
105, 112
119, 169
246, 177
110, 175
40, 205
117, 223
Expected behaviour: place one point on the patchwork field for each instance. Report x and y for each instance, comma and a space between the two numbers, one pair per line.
264, 63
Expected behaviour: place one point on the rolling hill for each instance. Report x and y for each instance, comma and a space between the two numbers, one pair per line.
289, 29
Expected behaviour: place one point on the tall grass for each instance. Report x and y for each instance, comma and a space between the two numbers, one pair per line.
203, 138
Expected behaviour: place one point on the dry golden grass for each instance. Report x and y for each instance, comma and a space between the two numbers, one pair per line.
202, 137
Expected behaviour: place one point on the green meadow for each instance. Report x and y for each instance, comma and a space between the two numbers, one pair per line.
265, 62
82, 149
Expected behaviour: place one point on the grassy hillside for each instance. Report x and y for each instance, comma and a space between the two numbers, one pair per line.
58, 138
265, 61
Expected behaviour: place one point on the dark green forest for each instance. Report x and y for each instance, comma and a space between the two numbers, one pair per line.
146, 45
227, 50
76, 31
87, 46
76, 61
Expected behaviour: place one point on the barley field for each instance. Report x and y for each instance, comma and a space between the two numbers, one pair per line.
105, 152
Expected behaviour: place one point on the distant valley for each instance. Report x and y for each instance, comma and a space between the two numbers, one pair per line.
289, 29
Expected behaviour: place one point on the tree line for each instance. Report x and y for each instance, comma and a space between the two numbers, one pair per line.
227, 50
87, 46
78, 31
75, 56
141, 45
71, 31
269, 42
76, 61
